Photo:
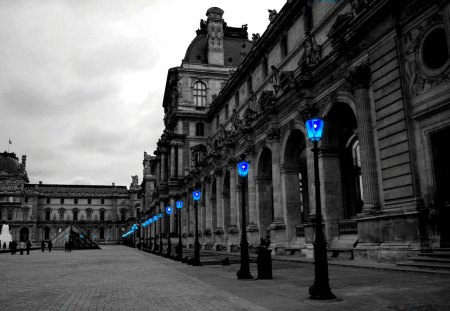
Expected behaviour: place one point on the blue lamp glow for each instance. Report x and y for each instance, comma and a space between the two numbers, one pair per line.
196, 195
243, 168
155, 218
179, 204
314, 127
168, 210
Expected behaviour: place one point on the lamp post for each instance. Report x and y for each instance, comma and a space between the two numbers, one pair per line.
169, 211
155, 244
321, 288
160, 215
179, 257
196, 195
244, 271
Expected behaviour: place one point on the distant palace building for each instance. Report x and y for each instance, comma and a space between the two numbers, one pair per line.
377, 72
40, 211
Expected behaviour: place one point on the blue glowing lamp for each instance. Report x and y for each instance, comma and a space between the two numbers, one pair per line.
243, 168
196, 195
179, 204
155, 218
314, 127
168, 210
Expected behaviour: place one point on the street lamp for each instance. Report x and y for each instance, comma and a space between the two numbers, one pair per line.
169, 243
321, 288
179, 257
196, 195
155, 245
244, 271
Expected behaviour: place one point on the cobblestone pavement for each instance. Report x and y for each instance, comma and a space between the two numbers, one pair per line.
121, 278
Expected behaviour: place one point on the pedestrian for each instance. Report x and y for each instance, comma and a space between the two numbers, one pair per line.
11, 247
28, 247
4, 245
21, 247
65, 247
43, 245
50, 244
14, 247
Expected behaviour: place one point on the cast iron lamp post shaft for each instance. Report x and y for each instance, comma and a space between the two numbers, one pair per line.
160, 236
196, 243
244, 271
180, 244
321, 288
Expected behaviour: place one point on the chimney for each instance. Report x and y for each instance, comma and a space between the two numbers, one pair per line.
24, 162
215, 36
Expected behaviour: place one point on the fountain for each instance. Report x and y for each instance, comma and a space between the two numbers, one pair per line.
5, 236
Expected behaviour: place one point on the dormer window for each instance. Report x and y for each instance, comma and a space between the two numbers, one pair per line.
199, 94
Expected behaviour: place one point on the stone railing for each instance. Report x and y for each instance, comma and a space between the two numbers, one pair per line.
347, 226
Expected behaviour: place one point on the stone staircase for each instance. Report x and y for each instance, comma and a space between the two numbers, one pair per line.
438, 259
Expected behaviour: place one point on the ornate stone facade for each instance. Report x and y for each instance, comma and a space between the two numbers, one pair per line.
377, 72
40, 211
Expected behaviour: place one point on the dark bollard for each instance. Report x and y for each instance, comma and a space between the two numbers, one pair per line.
264, 260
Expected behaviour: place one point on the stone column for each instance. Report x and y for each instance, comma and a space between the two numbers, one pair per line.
163, 167
180, 160
158, 169
173, 224
252, 228
278, 227
359, 79
233, 203
218, 234
172, 161
291, 197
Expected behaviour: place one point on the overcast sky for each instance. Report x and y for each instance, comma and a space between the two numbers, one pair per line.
82, 82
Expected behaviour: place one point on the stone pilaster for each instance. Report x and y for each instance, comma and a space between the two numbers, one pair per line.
173, 164
218, 234
290, 197
252, 228
359, 79
180, 160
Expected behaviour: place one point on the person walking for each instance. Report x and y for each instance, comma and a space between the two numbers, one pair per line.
50, 244
28, 247
4, 245
43, 245
21, 247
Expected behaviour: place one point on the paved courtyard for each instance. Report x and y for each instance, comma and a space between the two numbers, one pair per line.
121, 278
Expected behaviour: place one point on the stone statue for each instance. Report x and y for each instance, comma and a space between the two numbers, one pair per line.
236, 122
256, 37
275, 79
411, 41
135, 180
272, 15
311, 52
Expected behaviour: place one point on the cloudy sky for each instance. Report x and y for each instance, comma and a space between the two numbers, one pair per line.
81, 82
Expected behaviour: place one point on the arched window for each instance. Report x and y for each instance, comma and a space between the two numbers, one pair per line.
199, 94
199, 129
75, 214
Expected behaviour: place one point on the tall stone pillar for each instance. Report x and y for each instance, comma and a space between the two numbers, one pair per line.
252, 228
173, 164
291, 198
218, 234
359, 79
278, 227
163, 167
233, 230
173, 224
180, 160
